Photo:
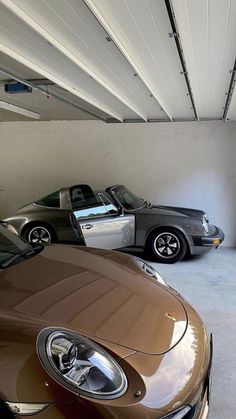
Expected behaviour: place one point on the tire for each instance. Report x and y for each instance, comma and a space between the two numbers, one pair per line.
39, 233
167, 245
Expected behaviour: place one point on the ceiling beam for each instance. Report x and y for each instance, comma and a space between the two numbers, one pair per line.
112, 28
45, 33
17, 109
230, 92
176, 37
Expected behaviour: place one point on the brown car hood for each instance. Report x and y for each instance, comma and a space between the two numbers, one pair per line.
98, 293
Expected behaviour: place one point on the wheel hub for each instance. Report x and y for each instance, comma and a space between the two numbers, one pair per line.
39, 235
167, 245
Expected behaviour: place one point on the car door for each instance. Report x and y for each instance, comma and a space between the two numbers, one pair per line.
101, 223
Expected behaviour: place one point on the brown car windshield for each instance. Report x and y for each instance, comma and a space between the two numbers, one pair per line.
12, 248
128, 199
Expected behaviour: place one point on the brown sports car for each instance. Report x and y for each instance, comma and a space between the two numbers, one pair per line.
95, 334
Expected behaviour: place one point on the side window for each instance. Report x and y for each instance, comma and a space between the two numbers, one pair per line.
111, 208
51, 201
82, 196
102, 207
93, 211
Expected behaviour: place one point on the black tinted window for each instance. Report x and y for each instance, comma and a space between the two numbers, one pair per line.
82, 196
52, 200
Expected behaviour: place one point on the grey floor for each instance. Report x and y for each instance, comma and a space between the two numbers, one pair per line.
209, 284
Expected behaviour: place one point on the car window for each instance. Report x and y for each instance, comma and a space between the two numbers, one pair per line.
111, 208
82, 196
52, 200
128, 199
97, 210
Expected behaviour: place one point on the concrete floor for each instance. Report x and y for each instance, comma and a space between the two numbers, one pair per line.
209, 284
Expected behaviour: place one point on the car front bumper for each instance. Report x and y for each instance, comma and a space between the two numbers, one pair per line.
203, 243
204, 403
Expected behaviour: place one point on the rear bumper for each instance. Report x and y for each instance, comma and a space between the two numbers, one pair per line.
212, 240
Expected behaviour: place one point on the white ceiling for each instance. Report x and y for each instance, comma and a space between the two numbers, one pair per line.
207, 30
69, 107
116, 58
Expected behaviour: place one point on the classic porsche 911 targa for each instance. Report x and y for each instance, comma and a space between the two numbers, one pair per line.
116, 219
96, 334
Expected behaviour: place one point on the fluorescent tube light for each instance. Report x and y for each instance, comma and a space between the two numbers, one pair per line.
17, 109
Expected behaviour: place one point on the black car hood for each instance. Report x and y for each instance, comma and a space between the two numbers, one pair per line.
173, 211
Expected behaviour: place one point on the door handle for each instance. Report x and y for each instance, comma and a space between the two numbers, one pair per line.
87, 226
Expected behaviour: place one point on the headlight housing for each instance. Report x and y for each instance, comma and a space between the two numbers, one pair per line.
178, 414
148, 269
80, 365
205, 222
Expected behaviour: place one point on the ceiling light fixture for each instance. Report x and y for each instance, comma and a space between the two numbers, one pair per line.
17, 109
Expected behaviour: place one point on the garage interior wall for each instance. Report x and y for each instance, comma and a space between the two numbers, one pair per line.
186, 164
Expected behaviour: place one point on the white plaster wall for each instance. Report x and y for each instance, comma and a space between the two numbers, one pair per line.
187, 164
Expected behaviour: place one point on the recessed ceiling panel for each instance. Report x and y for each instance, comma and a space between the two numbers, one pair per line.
20, 42
72, 29
118, 58
141, 30
62, 104
207, 31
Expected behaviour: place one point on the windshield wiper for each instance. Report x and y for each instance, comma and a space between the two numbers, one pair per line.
25, 255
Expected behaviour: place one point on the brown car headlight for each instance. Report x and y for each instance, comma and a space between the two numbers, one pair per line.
80, 365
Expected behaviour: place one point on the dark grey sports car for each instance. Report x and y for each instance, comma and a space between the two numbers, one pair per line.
116, 219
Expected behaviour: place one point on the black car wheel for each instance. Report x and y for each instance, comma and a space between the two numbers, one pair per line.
167, 246
39, 234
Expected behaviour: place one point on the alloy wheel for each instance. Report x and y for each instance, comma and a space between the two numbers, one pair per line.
167, 245
39, 235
